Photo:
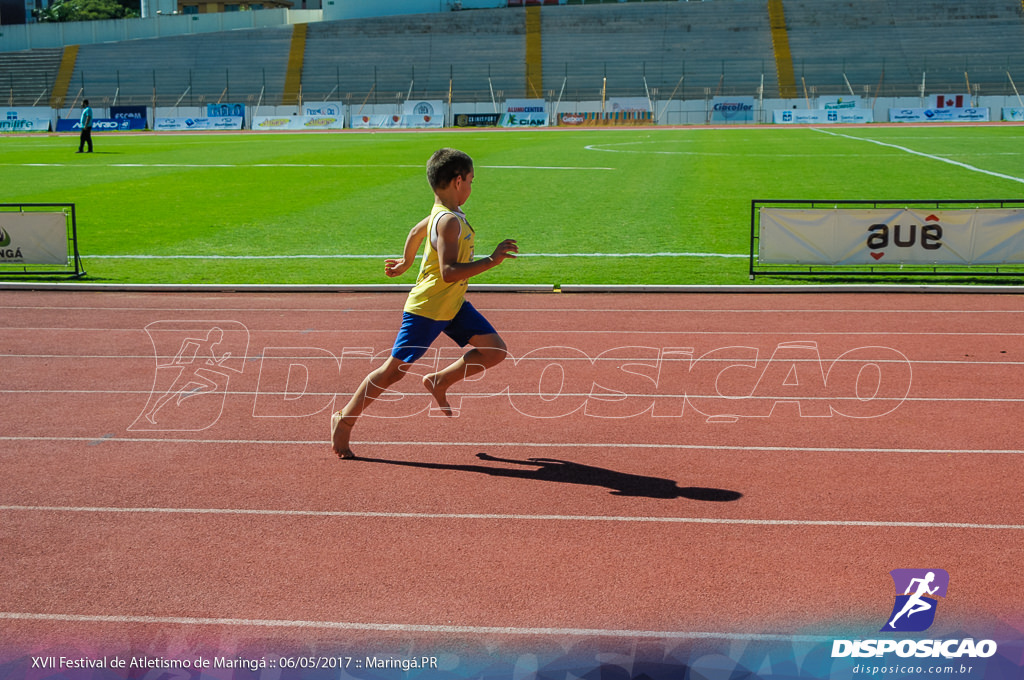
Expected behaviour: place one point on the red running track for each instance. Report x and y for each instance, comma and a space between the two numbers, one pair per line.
643, 465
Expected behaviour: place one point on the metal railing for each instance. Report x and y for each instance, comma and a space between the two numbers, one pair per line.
581, 82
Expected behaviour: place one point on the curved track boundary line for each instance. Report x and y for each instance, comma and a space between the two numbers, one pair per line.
965, 166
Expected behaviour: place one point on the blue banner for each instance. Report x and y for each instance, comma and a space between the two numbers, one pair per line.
225, 110
101, 124
128, 113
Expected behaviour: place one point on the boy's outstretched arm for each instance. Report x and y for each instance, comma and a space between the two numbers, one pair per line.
448, 253
398, 267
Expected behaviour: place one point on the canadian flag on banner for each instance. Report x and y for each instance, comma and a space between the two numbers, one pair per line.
952, 101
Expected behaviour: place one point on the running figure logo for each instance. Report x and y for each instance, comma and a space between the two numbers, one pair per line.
194, 362
914, 609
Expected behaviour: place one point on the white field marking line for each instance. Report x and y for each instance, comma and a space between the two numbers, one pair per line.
726, 154
362, 166
533, 445
445, 629
382, 257
501, 517
663, 143
905, 149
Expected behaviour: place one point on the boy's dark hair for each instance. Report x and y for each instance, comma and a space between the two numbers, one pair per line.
445, 165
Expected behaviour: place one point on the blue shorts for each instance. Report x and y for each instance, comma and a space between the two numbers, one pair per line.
418, 332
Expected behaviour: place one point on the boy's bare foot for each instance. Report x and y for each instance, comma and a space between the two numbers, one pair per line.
341, 431
431, 383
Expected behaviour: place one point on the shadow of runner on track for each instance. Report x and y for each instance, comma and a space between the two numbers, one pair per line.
567, 472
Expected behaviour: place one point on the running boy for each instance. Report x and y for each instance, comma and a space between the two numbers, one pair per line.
437, 303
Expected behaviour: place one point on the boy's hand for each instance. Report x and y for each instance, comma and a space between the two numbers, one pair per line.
506, 249
395, 268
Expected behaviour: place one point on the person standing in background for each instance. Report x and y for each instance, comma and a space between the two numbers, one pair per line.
85, 122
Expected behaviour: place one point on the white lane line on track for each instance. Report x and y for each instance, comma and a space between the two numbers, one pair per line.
383, 257
407, 628
552, 395
509, 310
541, 331
518, 517
165, 359
527, 445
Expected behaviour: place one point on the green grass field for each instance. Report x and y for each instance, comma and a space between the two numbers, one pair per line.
255, 208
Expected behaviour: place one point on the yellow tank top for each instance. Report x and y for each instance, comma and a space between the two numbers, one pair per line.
432, 296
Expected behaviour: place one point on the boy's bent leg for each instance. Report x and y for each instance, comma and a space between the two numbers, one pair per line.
373, 385
488, 350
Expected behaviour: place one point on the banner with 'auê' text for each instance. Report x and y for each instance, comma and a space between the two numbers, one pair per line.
840, 236
33, 238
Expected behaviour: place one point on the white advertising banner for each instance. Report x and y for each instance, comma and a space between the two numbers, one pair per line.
265, 123
424, 121
732, 109
938, 115
374, 120
33, 238
336, 109
822, 116
1013, 113
270, 123
225, 123
322, 122
25, 119
25, 125
525, 113
423, 114
840, 102
873, 236
629, 104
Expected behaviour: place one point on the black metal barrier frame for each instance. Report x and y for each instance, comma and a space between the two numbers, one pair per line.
1006, 271
73, 268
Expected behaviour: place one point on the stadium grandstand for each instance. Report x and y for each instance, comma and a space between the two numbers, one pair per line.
571, 51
